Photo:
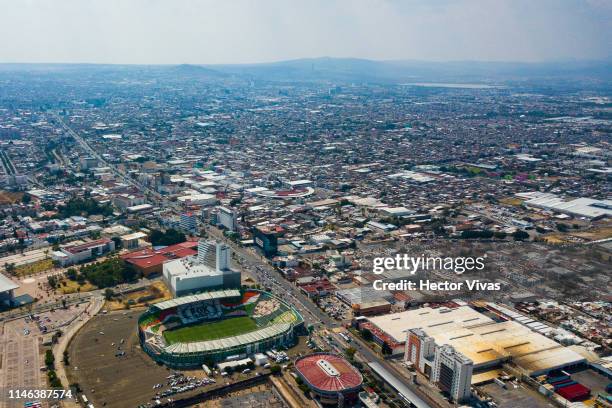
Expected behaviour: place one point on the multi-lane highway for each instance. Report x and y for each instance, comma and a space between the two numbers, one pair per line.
268, 276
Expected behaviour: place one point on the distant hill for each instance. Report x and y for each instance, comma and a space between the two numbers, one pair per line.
195, 70
353, 69
578, 74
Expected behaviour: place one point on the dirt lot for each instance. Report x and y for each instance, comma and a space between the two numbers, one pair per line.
156, 292
117, 381
125, 381
8, 197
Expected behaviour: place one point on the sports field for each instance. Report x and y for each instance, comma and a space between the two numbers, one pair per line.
211, 331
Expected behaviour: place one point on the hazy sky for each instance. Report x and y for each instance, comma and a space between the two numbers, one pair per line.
235, 31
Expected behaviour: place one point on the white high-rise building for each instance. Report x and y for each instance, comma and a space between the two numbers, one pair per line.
420, 350
209, 269
227, 218
452, 372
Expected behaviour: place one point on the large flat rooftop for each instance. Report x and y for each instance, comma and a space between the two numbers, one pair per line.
481, 339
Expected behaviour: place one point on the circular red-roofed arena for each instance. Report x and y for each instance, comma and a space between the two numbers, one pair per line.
329, 377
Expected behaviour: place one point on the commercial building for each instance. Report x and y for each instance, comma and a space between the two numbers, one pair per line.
266, 239
210, 269
7, 288
579, 207
132, 241
452, 372
188, 222
481, 339
226, 218
331, 378
197, 199
150, 261
74, 254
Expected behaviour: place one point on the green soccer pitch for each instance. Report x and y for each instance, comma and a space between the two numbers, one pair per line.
211, 331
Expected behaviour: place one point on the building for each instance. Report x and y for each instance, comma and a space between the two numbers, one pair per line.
420, 349
88, 162
7, 288
198, 199
332, 379
275, 327
213, 254
298, 184
208, 270
132, 241
452, 373
486, 342
125, 201
226, 218
579, 207
74, 254
266, 239
188, 222
150, 261
376, 307
403, 392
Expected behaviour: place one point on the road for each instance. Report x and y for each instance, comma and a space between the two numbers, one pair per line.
309, 310
263, 272
158, 198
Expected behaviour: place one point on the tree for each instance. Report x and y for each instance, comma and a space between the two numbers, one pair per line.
350, 352
520, 235
275, 369
109, 272
170, 237
366, 334
49, 359
52, 281
386, 349
109, 294
10, 268
71, 274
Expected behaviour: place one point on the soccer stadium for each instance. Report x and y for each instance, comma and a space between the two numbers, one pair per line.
209, 327
330, 377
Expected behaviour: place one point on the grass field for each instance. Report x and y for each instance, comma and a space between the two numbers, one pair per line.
34, 267
211, 331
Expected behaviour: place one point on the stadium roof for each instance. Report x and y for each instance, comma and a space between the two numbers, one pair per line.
328, 372
6, 284
229, 342
219, 294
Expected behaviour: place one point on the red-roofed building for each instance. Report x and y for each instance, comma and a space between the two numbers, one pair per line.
328, 376
149, 261
318, 288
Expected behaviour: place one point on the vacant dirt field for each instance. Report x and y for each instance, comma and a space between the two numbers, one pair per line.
125, 381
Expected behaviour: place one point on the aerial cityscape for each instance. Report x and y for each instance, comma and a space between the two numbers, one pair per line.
306, 232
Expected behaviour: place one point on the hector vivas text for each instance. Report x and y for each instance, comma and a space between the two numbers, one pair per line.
411, 264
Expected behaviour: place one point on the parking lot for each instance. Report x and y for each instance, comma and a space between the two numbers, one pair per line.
20, 359
117, 381
519, 397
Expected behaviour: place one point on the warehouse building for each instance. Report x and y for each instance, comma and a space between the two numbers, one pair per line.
487, 343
